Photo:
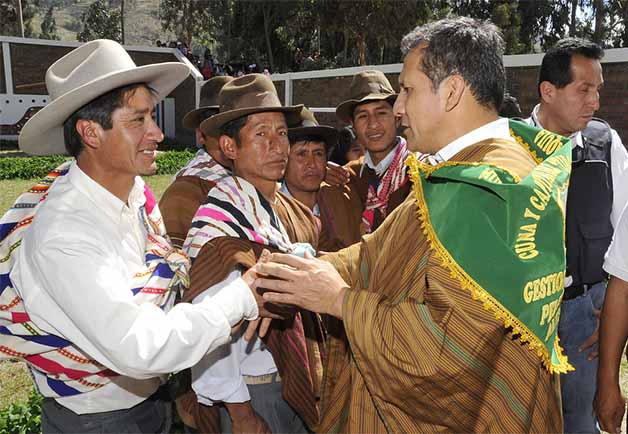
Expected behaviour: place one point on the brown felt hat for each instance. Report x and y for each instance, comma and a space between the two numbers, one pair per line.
208, 104
246, 95
366, 86
309, 127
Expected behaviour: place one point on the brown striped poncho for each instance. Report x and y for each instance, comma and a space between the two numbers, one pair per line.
216, 259
416, 354
341, 207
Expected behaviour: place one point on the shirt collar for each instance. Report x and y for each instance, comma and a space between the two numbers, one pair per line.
495, 129
381, 167
284, 190
576, 138
103, 199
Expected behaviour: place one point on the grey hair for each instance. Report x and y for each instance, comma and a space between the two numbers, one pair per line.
466, 46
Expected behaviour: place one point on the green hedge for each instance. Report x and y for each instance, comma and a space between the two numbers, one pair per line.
168, 162
22, 418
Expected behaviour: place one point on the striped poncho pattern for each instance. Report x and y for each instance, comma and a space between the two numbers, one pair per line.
203, 166
234, 208
59, 368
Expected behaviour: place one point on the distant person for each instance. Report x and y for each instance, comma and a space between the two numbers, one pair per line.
348, 149
510, 107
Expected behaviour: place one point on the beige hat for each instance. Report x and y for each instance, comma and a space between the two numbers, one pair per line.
309, 127
246, 95
366, 86
208, 104
82, 75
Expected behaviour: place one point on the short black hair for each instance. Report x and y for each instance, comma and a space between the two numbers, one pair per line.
98, 110
233, 127
556, 65
346, 139
460, 45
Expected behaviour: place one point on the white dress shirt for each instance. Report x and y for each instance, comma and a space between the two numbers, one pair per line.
616, 260
619, 166
381, 167
218, 377
497, 129
74, 271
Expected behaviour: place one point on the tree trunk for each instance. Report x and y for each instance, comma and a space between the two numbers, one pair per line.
572, 22
600, 13
122, 20
20, 18
361, 40
269, 47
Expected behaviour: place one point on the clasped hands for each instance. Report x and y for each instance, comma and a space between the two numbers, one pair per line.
280, 279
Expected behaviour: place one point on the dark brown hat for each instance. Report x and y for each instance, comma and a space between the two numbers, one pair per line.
246, 95
366, 86
208, 104
309, 127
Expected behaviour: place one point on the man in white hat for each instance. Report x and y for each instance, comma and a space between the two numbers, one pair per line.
94, 276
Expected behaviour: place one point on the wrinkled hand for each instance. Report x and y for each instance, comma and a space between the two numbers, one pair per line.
593, 339
309, 283
266, 309
610, 407
336, 175
245, 420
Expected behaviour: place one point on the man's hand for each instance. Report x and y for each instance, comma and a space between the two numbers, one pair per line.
251, 328
336, 175
266, 309
245, 420
309, 283
593, 339
610, 407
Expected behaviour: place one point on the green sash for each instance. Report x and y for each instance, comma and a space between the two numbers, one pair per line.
502, 237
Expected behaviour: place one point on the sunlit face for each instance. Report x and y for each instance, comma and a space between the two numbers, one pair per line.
375, 126
262, 154
129, 148
420, 107
572, 107
306, 166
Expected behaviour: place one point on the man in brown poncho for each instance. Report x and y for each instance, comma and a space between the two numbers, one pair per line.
271, 385
441, 330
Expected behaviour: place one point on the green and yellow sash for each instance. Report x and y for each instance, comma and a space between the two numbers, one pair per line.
502, 237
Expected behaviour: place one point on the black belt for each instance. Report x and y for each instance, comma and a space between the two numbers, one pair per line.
575, 291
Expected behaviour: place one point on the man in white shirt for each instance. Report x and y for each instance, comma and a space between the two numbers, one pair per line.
260, 386
569, 83
609, 403
80, 270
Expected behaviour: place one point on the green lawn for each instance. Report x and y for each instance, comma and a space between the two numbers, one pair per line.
15, 382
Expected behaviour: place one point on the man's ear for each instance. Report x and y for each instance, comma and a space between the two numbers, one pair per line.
228, 147
90, 132
547, 91
453, 88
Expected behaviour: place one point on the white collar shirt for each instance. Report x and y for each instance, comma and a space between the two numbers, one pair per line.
381, 167
73, 270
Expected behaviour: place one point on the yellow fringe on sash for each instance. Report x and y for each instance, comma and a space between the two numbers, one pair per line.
477, 292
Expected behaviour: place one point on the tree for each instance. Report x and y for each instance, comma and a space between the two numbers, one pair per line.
49, 26
100, 21
9, 21
190, 19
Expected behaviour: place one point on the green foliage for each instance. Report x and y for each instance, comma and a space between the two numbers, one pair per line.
22, 418
100, 21
8, 20
170, 162
49, 26
37, 167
